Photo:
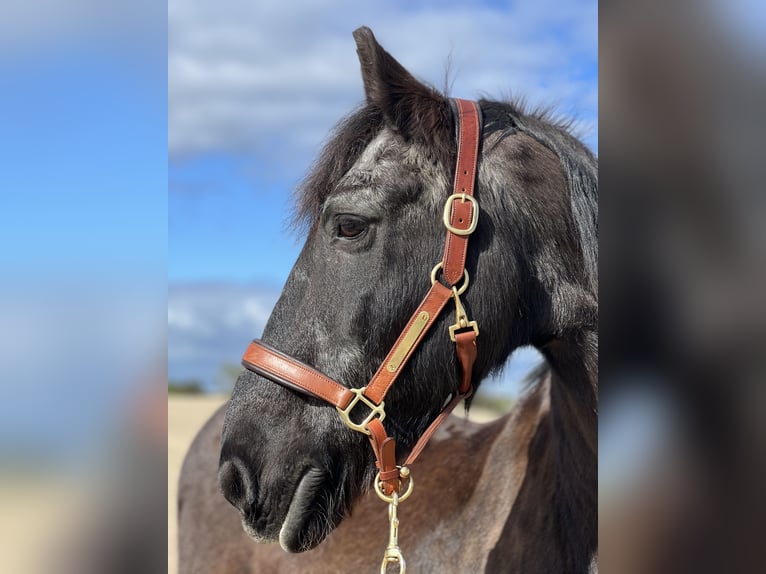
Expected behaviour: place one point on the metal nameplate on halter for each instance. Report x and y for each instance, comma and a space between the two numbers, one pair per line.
463, 197
375, 410
408, 341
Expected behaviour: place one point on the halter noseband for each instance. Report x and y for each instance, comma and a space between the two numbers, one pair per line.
461, 213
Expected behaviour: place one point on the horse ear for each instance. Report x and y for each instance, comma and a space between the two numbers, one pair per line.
413, 109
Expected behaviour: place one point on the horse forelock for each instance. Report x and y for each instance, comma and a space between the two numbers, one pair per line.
359, 145
349, 139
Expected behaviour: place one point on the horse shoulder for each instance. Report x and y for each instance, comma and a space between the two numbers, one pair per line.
468, 480
210, 536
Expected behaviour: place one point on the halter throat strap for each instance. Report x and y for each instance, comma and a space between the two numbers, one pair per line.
460, 217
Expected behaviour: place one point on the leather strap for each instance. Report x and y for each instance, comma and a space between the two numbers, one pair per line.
462, 212
465, 345
272, 364
426, 436
432, 303
384, 448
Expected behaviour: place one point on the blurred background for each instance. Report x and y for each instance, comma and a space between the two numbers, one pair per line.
136, 141
682, 278
83, 289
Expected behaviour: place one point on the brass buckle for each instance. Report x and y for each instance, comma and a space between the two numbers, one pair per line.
461, 317
375, 410
463, 197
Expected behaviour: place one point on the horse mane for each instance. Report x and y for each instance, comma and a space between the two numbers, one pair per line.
353, 134
580, 166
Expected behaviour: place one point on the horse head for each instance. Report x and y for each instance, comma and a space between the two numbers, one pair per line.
372, 206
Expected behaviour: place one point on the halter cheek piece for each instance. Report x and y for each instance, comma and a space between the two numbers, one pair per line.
461, 213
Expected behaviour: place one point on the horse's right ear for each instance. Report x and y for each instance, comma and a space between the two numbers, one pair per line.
411, 108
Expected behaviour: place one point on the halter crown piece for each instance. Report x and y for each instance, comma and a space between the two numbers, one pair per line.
393, 483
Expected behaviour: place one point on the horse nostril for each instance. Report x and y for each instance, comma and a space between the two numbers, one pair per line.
236, 484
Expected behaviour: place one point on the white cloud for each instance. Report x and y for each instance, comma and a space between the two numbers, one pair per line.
271, 78
210, 324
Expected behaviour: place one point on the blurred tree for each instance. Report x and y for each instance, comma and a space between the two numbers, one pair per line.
185, 386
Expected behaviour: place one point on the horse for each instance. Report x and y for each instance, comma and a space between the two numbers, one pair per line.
517, 494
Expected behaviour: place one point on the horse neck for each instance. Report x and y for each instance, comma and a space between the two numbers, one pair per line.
536, 496
573, 423
551, 523
574, 398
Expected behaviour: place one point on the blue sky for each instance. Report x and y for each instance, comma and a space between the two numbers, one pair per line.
83, 217
89, 184
213, 204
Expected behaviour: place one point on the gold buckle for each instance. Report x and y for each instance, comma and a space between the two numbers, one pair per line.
375, 410
461, 317
463, 197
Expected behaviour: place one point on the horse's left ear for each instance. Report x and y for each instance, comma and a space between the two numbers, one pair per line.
413, 109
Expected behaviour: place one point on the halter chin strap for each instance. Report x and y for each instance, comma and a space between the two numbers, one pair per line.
461, 212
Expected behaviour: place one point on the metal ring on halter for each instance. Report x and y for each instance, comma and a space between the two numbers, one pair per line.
461, 289
389, 499
345, 414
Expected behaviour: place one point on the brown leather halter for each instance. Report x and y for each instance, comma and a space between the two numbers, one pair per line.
461, 213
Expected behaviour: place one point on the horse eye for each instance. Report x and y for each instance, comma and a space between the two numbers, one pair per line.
351, 227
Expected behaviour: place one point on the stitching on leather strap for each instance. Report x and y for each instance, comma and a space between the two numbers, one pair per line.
469, 128
313, 382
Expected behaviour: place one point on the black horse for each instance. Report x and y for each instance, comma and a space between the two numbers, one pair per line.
372, 208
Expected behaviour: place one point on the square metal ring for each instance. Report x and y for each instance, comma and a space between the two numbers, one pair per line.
375, 410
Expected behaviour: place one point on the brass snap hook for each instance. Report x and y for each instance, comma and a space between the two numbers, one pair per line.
461, 317
393, 554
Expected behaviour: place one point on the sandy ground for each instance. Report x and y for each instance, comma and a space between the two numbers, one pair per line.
33, 508
186, 415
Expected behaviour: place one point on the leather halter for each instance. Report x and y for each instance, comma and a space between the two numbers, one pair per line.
460, 217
